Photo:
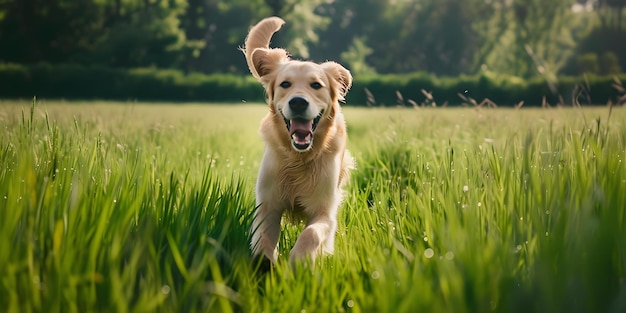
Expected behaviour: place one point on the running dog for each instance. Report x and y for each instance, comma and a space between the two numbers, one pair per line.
305, 164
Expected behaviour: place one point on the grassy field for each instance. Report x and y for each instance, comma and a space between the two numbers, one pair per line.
124, 207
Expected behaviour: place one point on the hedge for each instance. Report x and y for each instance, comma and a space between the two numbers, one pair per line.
499, 89
74, 82
146, 84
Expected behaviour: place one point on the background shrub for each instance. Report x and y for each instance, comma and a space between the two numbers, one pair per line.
75, 82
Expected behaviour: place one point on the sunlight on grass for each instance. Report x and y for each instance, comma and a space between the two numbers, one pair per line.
146, 207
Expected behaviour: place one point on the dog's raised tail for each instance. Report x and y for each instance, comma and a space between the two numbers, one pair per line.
259, 37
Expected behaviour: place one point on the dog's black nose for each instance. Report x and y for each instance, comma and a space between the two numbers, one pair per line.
298, 105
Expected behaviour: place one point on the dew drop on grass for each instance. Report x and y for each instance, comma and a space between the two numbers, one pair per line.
449, 255
465, 188
375, 275
165, 289
479, 204
429, 253
37, 282
425, 239
350, 303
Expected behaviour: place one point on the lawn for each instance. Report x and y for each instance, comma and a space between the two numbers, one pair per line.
138, 207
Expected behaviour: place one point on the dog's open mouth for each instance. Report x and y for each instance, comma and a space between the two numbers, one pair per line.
301, 132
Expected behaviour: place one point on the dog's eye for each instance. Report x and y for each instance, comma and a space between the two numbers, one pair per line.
316, 85
285, 84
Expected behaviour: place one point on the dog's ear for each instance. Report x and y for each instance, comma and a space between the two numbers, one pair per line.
266, 60
340, 76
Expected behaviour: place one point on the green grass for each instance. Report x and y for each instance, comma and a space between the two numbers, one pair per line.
120, 207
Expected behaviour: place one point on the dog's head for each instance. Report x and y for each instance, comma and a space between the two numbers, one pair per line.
301, 92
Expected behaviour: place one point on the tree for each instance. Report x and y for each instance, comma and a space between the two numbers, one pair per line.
606, 40
142, 33
404, 36
117, 33
33, 31
444, 37
618, 7
527, 37
222, 25
351, 25
355, 57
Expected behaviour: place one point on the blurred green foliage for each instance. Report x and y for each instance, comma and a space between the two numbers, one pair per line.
524, 38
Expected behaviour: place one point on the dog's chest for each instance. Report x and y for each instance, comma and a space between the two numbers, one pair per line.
303, 180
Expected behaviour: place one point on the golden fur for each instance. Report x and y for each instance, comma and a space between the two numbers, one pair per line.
305, 163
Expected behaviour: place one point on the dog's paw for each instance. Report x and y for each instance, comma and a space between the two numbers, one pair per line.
302, 258
304, 262
307, 246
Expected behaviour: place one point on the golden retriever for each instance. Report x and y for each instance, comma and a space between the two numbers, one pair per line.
305, 163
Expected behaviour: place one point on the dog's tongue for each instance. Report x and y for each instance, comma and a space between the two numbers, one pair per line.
301, 127
301, 133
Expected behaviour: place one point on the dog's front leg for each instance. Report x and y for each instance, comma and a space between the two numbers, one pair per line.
319, 231
265, 232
